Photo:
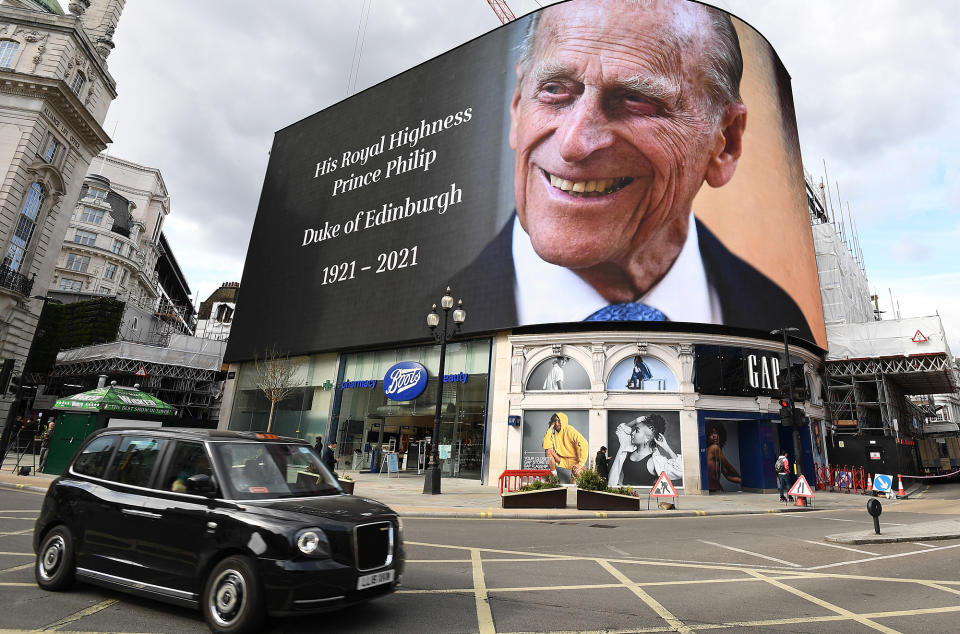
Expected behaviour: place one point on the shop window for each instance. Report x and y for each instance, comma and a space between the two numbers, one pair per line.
536, 429
558, 373
642, 373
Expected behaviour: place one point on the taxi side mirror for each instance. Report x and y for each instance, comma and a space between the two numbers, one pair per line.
201, 484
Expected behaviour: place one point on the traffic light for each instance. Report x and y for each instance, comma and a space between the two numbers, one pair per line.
786, 416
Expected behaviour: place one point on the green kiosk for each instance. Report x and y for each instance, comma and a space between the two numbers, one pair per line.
112, 406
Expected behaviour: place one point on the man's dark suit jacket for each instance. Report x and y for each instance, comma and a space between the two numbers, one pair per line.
748, 299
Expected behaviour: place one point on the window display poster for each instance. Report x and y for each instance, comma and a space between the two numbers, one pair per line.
535, 424
642, 445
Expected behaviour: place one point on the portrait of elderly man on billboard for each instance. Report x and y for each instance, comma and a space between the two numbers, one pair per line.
622, 110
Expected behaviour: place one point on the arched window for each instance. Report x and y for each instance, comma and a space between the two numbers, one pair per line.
27, 223
558, 373
8, 51
642, 373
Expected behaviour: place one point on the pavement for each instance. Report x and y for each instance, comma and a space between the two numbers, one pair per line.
469, 499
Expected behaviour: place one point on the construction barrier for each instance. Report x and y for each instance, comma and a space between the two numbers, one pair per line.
823, 477
516, 478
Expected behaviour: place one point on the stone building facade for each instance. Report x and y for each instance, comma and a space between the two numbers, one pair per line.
55, 89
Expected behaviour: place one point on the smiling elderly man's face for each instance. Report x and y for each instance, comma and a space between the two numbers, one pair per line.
613, 131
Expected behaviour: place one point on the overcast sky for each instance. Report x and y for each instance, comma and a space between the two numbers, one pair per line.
204, 85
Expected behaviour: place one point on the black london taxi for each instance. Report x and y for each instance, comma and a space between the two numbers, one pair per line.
238, 524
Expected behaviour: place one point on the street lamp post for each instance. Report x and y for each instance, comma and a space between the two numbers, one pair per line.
793, 420
431, 478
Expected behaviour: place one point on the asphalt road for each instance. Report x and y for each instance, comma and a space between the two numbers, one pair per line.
769, 572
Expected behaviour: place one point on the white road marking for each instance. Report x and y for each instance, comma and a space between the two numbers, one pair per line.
924, 545
862, 561
618, 551
865, 552
747, 552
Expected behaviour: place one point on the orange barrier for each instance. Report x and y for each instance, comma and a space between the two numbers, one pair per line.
516, 478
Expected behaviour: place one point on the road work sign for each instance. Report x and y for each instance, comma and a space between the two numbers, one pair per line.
801, 489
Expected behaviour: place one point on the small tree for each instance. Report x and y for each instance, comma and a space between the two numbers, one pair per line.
275, 379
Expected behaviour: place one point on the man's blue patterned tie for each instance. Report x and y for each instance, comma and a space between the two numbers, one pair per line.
629, 311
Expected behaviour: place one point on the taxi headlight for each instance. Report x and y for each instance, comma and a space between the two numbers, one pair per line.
313, 542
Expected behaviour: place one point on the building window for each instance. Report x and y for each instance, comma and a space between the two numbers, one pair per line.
123, 277
8, 50
51, 150
66, 284
91, 215
97, 194
85, 237
117, 246
110, 271
77, 84
224, 313
27, 223
78, 263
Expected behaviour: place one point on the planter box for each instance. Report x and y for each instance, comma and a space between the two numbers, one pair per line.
542, 499
347, 486
601, 501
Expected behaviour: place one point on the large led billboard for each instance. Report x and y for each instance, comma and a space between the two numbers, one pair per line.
597, 160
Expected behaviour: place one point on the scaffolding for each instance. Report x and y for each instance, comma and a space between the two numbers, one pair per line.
186, 373
872, 370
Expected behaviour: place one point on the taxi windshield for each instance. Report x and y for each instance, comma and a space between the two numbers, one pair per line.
258, 470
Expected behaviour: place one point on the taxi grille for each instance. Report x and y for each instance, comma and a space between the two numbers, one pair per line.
373, 545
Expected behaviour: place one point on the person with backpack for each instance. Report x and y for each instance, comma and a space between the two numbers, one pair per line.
782, 468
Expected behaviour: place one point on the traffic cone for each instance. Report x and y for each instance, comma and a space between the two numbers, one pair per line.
900, 492
869, 483
800, 501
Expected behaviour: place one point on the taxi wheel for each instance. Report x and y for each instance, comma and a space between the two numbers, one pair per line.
55, 565
232, 599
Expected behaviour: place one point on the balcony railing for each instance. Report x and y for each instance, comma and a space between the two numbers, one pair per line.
17, 282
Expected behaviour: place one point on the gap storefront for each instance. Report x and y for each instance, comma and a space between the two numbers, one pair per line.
701, 407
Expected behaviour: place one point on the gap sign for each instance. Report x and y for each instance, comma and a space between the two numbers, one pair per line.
405, 381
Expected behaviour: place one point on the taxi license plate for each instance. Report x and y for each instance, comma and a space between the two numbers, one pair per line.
375, 579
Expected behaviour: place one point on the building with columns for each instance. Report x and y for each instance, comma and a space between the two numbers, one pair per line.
55, 89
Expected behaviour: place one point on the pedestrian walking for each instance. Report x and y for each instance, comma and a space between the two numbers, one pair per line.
602, 463
782, 468
328, 459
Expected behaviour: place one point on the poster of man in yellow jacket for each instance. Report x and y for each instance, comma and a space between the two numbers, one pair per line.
566, 448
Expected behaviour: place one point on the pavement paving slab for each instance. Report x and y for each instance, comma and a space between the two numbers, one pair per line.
918, 532
463, 498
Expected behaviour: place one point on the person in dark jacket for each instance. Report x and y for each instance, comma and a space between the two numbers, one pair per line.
328, 459
602, 462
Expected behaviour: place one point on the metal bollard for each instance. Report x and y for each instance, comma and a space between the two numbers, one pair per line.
874, 508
